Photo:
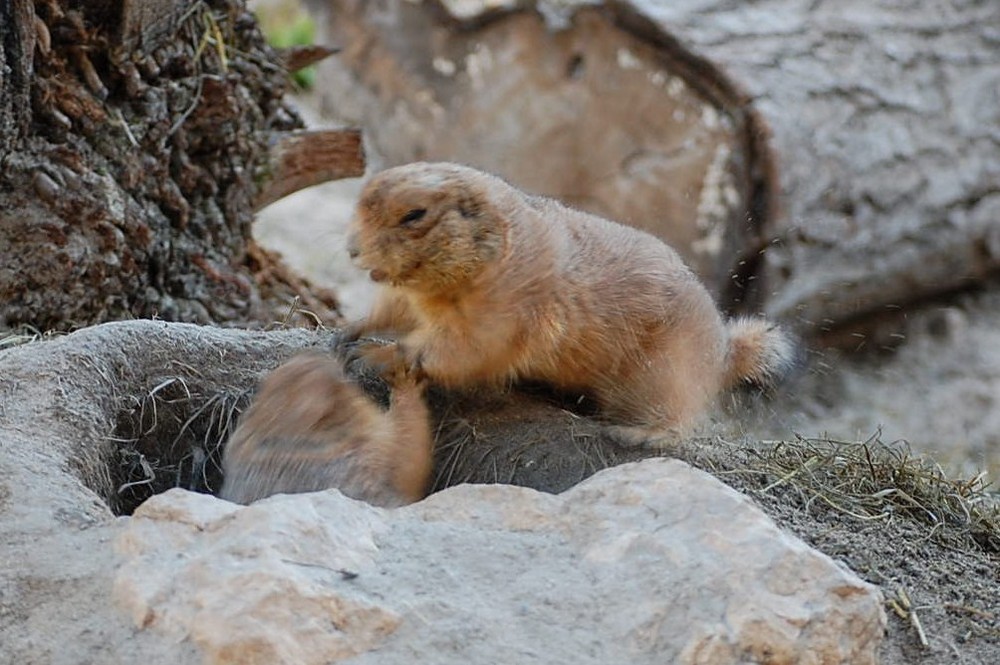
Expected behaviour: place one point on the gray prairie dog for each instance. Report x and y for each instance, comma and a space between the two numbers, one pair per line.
310, 428
482, 283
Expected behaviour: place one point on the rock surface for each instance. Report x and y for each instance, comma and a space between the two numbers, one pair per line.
650, 562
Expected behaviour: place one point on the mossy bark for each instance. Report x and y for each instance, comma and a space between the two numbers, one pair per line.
134, 141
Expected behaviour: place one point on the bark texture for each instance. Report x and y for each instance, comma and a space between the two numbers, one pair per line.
886, 121
134, 141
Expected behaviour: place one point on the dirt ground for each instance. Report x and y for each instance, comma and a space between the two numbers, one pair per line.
949, 581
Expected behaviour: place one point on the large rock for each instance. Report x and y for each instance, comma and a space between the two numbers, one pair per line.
650, 562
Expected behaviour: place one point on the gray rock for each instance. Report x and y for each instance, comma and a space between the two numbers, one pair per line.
650, 562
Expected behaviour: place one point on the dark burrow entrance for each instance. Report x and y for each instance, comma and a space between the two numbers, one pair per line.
173, 434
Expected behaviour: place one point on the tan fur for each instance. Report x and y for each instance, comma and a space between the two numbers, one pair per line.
759, 352
490, 285
310, 428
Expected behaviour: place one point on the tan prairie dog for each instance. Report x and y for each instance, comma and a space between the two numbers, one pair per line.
310, 428
482, 283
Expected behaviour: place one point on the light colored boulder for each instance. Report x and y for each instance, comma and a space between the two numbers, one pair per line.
243, 584
652, 562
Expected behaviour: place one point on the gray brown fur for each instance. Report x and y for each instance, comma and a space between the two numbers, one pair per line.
310, 428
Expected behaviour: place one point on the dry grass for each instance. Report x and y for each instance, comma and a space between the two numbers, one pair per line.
23, 334
873, 481
172, 435
929, 540
869, 481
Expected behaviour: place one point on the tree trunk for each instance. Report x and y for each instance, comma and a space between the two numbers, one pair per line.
135, 144
885, 120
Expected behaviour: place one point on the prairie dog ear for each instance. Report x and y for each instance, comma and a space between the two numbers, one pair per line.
488, 235
470, 205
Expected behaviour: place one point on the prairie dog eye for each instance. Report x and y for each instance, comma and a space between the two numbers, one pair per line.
412, 216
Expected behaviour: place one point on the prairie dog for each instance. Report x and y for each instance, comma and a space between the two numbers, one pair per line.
482, 283
310, 428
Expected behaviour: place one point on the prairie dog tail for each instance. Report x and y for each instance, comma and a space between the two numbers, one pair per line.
760, 353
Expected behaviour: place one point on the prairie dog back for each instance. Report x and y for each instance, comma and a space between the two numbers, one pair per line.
310, 428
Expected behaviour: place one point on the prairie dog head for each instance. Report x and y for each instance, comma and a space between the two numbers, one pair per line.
426, 226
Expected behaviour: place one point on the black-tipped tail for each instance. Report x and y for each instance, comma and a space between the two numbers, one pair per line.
760, 353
